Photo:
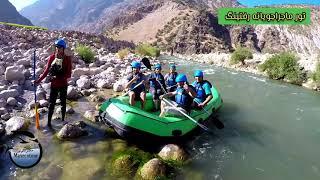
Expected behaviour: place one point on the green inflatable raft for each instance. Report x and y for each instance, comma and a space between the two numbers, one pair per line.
132, 122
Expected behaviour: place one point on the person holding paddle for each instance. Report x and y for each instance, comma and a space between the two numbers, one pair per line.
136, 91
203, 90
59, 67
156, 80
184, 95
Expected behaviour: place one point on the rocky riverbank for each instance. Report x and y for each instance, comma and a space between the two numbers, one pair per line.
308, 62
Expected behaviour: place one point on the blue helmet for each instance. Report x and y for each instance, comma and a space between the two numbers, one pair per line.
181, 78
60, 43
198, 73
172, 66
136, 64
157, 66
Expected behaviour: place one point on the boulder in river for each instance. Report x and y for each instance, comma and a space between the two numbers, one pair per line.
69, 131
173, 152
91, 115
153, 169
14, 124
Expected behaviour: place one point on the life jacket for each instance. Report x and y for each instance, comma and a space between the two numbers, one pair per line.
140, 78
201, 94
182, 98
154, 83
56, 68
171, 81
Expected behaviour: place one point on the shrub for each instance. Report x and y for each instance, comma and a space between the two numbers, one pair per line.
147, 50
283, 66
240, 54
122, 53
86, 54
316, 75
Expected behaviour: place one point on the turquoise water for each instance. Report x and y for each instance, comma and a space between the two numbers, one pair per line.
272, 130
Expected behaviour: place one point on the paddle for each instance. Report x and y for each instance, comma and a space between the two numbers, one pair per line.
133, 88
146, 62
186, 115
216, 121
35, 91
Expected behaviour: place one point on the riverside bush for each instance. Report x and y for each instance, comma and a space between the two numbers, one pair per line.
86, 54
283, 66
147, 50
240, 54
122, 53
316, 75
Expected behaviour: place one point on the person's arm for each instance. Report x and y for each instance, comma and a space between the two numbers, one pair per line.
67, 75
190, 90
46, 70
169, 94
130, 81
208, 92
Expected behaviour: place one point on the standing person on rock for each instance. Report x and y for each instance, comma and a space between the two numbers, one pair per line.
59, 68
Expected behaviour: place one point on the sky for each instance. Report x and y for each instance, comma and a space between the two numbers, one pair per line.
19, 4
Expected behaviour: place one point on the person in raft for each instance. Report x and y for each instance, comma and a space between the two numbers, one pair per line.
59, 68
184, 95
157, 85
170, 78
203, 90
136, 85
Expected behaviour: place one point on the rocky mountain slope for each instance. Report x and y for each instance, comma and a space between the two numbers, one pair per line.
8, 13
184, 26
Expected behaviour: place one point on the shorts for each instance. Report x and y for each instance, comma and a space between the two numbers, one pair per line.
137, 93
172, 111
156, 93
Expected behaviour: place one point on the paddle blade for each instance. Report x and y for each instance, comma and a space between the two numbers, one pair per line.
146, 62
37, 118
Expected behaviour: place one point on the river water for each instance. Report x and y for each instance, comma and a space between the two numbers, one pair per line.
272, 131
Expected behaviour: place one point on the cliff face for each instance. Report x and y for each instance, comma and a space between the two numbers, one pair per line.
8, 13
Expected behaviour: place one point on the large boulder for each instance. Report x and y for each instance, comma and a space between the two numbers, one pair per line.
25, 62
104, 83
83, 83
91, 115
80, 72
72, 93
153, 169
14, 73
11, 101
14, 124
124, 166
69, 131
5, 94
173, 152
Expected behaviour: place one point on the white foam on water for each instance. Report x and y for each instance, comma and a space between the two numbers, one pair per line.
258, 79
209, 71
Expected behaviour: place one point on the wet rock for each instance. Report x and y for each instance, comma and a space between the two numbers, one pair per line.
80, 71
72, 93
89, 168
80, 124
32, 104
15, 123
118, 87
70, 110
97, 98
124, 166
2, 128
71, 131
91, 115
25, 62
11, 101
85, 92
173, 152
153, 169
43, 110
43, 103
6, 116
3, 111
